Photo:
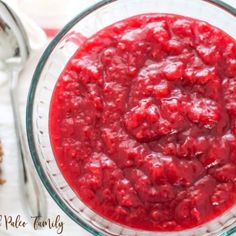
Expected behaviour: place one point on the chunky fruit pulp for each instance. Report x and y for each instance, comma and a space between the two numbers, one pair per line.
143, 122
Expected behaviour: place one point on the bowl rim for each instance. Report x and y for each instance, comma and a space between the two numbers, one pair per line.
30, 104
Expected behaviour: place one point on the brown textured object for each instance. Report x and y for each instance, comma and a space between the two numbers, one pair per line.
2, 181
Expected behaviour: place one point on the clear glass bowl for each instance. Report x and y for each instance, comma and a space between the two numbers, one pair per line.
45, 77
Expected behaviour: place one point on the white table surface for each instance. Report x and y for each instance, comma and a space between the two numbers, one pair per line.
10, 203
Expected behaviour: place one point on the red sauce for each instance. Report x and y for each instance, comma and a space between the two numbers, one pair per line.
143, 122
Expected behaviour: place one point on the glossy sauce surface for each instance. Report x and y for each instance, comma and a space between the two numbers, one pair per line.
143, 122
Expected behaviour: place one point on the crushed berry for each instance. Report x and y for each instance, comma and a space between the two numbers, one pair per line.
143, 122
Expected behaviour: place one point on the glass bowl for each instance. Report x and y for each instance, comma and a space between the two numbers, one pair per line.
50, 66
